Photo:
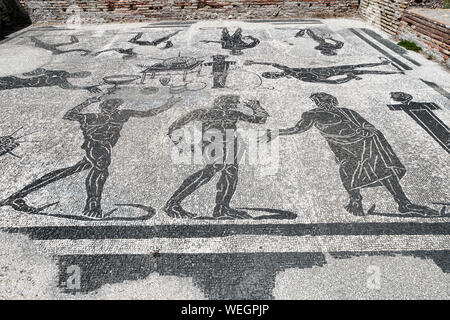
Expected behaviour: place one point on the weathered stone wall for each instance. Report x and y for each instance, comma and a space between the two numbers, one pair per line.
432, 4
384, 13
92, 11
11, 16
387, 14
400, 19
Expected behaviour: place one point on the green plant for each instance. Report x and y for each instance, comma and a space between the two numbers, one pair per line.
409, 45
446, 4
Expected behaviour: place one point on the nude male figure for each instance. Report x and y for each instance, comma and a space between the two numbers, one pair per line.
101, 132
235, 42
325, 47
53, 47
41, 77
222, 117
323, 74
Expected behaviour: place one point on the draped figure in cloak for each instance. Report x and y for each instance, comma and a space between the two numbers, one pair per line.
364, 156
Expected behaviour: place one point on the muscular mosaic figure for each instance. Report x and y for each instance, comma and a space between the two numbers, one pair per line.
101, 132
325, 47
153, 43
364, 156
221, 118
54, 47
235, 42
46, 78
323, 74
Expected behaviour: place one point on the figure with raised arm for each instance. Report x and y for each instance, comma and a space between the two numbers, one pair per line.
217, 124
101, 132
327, 48
323, 74
364, 156
235, 42
41, 77
54, 47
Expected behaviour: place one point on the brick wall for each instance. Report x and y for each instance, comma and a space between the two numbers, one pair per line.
386, 14
401, 20
92, 11
431, 35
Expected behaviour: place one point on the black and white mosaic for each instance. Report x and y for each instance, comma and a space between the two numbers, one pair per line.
229, 154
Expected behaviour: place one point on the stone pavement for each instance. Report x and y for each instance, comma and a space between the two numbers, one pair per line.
441, 15
303, 159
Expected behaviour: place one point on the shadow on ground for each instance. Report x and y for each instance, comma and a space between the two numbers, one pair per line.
12, 17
